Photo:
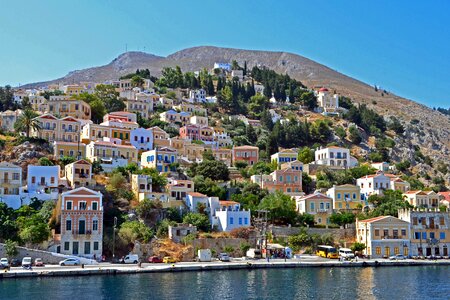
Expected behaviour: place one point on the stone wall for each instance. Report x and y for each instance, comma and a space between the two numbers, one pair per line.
218, 245
46, 256
346, 235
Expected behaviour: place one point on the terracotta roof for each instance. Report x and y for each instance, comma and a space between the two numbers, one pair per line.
245, 147
315, 196
414, 192
196, 194
226, 202
446, 195
103, 143
373, 219
323, 90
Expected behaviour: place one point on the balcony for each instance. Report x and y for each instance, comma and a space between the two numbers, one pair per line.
323, 210
10, 181
393, 237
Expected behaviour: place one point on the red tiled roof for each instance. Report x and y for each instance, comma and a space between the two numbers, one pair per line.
373, 219
226, 202
196, 194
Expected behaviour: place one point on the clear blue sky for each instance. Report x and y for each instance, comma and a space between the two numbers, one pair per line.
403, 46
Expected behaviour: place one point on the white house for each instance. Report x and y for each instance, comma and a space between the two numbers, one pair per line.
198, 95
194, 199
327, 103
373, 184
334, 156
10, 184
142, 139
42, 179
229, 216
381, 166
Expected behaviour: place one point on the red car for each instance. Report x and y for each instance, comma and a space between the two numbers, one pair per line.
38, 262
154, 260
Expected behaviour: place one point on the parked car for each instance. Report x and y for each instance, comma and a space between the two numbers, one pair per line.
130, 259
169, 260
69, 262
397, 257
27, 261
4, 262
155, 260
224, 257
346, 253
14, 262
38, 262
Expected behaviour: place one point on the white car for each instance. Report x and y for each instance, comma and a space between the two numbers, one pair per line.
4, 263
69, 262
26, 261
397, 257
224, 257
346, 253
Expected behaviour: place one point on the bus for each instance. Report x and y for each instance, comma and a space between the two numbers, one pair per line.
327, 251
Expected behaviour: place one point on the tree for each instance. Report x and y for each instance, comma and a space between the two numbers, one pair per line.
159, 180
110, 97
201, 221
357, 247
257, 104
131, 231
320, 131
44, 161
251, 134
306, 155
309, 100
340, 132
11, 248
116, 183
213, 169
27, 121
146, 206
281, 208
65, 160
98, 109
272, 145
137, 81
225, 98
355, 135
33, 229
342, 218
306, 219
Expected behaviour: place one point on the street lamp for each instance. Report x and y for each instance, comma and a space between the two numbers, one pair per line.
114, 236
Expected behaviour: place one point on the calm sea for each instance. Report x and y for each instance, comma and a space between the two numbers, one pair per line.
304, 283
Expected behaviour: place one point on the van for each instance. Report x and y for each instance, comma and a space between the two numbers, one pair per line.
26, 261
131, 259
346, 253
204, 255
253, 253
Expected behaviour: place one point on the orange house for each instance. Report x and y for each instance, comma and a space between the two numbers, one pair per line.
81, 222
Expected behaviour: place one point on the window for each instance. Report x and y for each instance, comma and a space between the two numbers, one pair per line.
240, 221
82, 205
385, 233
311, 205
377, 232
52, 180
66, 246
33, 179
94, 206
424, 235
246, 223
87, 247
95, 225
15, 176
95, 246
417, 235
396, 250
378, 250
231, 221
69, 205
68, 225
432, 235
414, 220
395, 233
441, 221
403, 232
339, 195
442, 235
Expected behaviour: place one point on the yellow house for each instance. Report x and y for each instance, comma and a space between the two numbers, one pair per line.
430, 231
160, 159
61, 149
10, 179
318, 205
73, 89
95, 132
284, 156
77, 109
223, 154
53, 129
422, 199
141, 185
111, 152
79, 174
346, 196
383, 236
178, 189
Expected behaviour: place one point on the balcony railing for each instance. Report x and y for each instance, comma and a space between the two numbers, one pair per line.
10, 181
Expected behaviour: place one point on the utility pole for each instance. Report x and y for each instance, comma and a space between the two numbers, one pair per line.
114, 236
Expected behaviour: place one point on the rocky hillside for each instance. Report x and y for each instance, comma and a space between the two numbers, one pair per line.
430, 129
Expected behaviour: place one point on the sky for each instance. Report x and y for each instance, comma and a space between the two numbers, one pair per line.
402, 46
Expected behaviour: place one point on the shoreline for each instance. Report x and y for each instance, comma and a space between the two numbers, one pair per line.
211, 266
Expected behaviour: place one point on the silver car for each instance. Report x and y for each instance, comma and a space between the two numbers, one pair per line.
69, 262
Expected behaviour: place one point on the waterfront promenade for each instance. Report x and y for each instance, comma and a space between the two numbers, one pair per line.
236, 264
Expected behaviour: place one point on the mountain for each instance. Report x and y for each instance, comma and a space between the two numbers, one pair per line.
429, 129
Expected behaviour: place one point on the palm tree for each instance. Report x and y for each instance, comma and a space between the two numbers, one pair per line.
27, 121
